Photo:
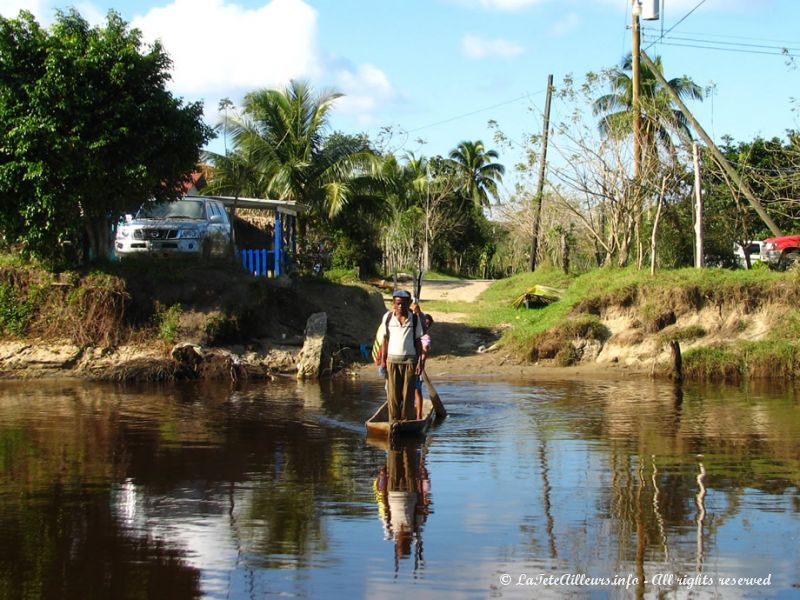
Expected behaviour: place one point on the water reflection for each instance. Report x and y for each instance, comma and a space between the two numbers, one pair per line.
218, 492
403, 492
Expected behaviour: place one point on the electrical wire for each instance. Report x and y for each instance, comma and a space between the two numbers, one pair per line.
654, 32
699, 4
743, 45
475, 112
708, 46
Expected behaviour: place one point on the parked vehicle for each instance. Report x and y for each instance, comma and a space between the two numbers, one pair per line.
781, 252
192, 226
753, 249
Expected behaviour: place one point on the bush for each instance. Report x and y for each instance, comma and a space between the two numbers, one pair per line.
685, 334
16, 308
168, 322
220, 328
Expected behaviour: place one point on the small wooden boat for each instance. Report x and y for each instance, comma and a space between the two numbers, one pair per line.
378, 424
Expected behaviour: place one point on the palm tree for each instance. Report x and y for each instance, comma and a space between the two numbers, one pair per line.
280, 142
480, 176
660, 118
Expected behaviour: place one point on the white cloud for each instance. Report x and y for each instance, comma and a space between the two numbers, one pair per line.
41, 9
477, 47
565, 25
366, 88
91, 13
220, 48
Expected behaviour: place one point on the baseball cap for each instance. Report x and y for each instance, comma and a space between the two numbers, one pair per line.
400, 294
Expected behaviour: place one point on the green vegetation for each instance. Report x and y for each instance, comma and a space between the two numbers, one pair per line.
547, 333
167, 320
16, 308
83, 117
440, 276
220, 327
342, 276
745, 360
683, 334
83, 121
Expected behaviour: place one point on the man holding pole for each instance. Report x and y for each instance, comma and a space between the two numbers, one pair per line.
401, 356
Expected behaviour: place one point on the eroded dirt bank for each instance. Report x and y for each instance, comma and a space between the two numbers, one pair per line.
248, 328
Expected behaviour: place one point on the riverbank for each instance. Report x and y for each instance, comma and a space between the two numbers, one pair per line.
165, 321
728, 325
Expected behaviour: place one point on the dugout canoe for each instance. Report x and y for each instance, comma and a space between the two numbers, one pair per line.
378, 424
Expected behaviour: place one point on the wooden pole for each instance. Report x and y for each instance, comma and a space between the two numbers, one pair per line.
699, 249
537, 209
718, 156
677, 361
636, 81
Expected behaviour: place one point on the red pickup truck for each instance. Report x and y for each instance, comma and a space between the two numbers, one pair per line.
782, 252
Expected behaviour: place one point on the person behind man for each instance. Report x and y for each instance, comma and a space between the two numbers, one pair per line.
425, 343
401, 356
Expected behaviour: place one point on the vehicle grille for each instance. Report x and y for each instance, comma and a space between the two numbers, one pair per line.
155, 234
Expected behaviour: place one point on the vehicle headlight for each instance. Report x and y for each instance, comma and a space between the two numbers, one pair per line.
189, 234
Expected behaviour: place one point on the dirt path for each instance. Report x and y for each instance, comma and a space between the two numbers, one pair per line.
463, 351
460, 290
451, 336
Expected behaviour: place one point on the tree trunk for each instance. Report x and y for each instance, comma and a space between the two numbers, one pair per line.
655, 228
98, 236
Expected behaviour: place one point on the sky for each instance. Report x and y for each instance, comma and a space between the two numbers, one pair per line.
436, 71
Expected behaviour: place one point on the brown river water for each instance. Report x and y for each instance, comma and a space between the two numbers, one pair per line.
529, 489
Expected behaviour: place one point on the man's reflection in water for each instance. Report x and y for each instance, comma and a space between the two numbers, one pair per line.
403, 491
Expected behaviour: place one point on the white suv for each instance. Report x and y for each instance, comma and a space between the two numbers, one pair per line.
192, 226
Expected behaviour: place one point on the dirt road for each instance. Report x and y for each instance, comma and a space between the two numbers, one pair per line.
463, 351
460, 290
453, 337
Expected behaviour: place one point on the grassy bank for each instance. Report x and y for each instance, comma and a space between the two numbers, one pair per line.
654, 304
140, 301
213, 303
731, 325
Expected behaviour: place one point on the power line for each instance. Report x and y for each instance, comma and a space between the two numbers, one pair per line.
654, 32
699, 4
776, 52
475, 112
724, 43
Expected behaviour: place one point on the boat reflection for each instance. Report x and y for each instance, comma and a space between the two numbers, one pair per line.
403, 493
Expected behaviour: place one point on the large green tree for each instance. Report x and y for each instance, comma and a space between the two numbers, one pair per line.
660, 117
479, 172
88, 130
281, 151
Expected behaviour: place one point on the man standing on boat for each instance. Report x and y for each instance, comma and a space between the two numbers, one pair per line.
402, 356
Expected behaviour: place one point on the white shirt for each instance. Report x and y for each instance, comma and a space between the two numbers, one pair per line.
401, 338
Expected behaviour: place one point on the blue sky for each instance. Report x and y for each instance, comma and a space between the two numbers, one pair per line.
437, 70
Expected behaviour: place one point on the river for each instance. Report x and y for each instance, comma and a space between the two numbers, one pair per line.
529, 489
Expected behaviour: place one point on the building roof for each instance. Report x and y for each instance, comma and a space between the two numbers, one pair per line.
284, 206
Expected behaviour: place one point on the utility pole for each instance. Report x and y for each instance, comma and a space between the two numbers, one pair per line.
699, 245
537, 209
636, 81
712, 147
